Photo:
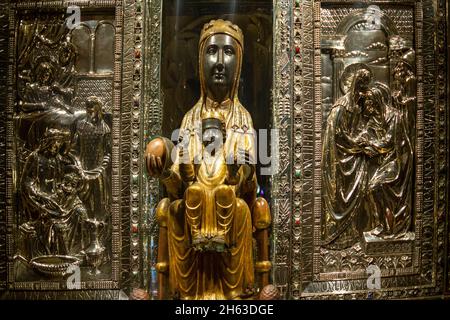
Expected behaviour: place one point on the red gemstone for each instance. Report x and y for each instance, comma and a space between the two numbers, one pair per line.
297, 221
134, 229
297, 50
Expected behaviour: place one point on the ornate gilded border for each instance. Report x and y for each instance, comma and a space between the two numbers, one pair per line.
152, 104
4, 25
281, 204
128, 142
9, 152
446, 54
136, 17
442, 121
65, 295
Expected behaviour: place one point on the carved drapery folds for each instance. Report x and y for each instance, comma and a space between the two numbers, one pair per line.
368, 144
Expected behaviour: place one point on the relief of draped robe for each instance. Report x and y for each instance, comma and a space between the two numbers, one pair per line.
345, 175
391, 184
367, 172
49, 192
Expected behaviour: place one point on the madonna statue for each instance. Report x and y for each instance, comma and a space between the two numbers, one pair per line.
211, 211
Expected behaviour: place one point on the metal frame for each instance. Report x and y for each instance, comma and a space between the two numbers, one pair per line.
4, 14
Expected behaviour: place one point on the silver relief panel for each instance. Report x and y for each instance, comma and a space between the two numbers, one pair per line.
373, 111
63, 219
369, 105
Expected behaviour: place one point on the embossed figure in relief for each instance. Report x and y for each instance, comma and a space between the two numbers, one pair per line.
63, 157
345, 161
207, 222
367, 154
391, 184
50, 184
45, 103
368, 142
92, 146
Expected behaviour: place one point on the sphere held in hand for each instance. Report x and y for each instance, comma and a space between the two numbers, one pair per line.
160, 149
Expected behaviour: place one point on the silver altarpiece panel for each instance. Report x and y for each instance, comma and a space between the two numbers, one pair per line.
62, 152
68, 150
369, 196
357, 91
